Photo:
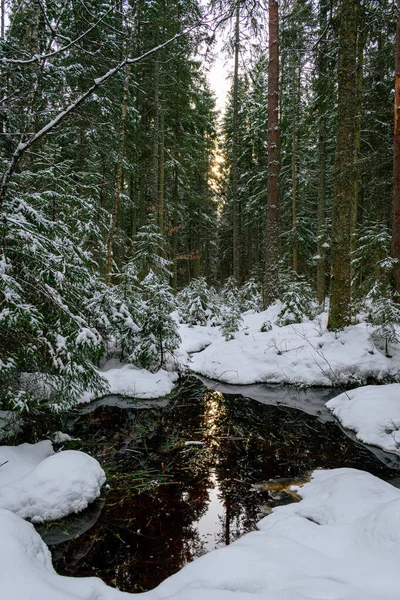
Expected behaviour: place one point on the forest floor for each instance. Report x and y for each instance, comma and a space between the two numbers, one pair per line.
305, 354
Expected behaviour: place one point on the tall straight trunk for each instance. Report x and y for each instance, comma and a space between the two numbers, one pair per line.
323, 93
134, 218
36, 70
295, 113
161, 174
321, 263
156, 136
361, 41
175, 197
396, 164
340, 291
3, 18
272, 229
235, 151
118, 176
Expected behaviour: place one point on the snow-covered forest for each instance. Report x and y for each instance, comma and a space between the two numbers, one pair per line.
176, 280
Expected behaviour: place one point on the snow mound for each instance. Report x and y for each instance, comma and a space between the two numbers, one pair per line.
26, 572
18, 461
39, 485
128, 380
373, 412
301, 354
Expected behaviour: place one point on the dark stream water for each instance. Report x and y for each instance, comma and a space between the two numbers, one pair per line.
170, 501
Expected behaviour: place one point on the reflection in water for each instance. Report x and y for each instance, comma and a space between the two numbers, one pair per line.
208, 525
170, 502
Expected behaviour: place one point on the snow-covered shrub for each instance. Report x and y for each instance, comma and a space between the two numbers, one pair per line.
250, 297
384, 313
230, 292
231, 321
47, 344
371, 262
128, 308
198, 304
157, 336
297, 300
149, 252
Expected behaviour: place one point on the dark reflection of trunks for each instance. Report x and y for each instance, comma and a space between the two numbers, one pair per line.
170, 502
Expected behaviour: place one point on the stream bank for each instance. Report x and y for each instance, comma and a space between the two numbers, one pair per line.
170, 501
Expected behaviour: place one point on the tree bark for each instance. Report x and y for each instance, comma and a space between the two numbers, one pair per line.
175, 196
118, 176
156, 135
396, 164
322, 91
234, 169
272, 247
161, 175
3, 18
361, 41
296, 107
340, 289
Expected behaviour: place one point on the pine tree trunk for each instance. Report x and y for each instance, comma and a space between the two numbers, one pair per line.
321, 262
296, 96
3, 18
175, 197
133, 223
340, 289
118, 176
272, 246
396, 164
361, 41
234, 169
323, 92
156, 135
162, 175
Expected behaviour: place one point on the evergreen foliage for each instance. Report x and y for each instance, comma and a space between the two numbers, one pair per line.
231, 321
198, 303
384, 313
47, 346
250, 297
297, 299
158, 335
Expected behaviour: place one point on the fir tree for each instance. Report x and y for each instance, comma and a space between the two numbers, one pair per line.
158, 335
297, 299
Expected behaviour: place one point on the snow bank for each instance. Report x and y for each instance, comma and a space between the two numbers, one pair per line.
197, 337
39, 485
128, 380
373, 412
26, 572
341, 542
302, 354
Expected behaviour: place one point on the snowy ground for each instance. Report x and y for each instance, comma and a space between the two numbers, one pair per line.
372, 412
341, 542
302, 354
128, 380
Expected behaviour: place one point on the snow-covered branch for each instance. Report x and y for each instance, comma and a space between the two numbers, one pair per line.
24, 146
37, 58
